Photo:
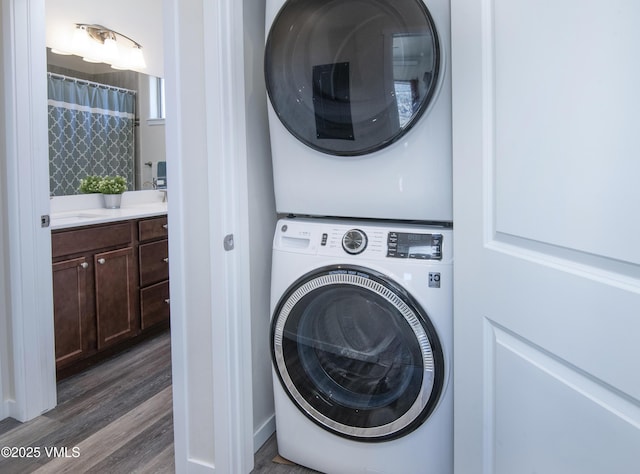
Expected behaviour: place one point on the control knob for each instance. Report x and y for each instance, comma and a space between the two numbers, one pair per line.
354, 241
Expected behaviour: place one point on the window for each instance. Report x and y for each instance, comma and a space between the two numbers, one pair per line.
156, 98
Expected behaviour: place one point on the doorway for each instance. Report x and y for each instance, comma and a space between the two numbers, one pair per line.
217, 190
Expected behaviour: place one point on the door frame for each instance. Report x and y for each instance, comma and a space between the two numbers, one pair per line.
29, 376
206, 126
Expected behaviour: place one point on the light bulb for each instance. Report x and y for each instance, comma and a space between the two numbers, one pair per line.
110, 50
136, 58
81, 40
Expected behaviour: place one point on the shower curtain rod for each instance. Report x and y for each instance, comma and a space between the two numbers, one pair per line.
91, 83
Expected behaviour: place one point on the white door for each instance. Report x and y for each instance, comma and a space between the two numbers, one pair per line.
546, 177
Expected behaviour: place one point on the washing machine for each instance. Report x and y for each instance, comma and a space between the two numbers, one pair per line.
359, 100
361, 344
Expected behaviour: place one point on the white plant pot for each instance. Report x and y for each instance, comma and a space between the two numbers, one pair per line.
112, 201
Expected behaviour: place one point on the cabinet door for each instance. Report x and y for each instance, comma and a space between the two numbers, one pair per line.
70, 310
115, 293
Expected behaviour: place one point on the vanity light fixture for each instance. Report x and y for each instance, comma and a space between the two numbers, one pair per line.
98, 44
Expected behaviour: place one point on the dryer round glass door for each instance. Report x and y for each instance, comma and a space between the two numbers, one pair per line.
350, 77
356, 354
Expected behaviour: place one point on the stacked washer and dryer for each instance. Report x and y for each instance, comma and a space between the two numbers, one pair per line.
362, 277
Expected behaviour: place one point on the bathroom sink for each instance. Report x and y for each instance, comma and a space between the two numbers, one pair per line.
76, 215
63, 218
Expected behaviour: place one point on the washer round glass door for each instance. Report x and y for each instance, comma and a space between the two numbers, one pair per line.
349, 77
356, 354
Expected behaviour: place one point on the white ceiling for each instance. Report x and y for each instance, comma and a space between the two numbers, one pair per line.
141, 20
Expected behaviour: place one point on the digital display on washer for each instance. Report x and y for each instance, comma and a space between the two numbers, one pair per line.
409, 245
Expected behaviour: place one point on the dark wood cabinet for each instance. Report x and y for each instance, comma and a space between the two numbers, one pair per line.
70, 310
154, 262
110, 284
154, 304
154, 271
153, 228
115, 292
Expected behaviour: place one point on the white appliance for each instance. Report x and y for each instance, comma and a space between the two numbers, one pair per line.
360, 108
361, 343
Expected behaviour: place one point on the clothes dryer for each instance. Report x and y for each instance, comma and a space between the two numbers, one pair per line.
361, 341
360, 107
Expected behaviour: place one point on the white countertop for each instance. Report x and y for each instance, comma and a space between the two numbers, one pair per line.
88, 209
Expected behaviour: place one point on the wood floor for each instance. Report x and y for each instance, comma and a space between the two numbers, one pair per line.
267, 461
113, 418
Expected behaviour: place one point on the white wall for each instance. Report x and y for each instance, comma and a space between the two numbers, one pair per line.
262, 218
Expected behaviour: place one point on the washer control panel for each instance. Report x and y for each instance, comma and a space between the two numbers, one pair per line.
391, 244
357, 239
414, 245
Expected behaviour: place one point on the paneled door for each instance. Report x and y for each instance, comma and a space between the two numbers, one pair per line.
546, 196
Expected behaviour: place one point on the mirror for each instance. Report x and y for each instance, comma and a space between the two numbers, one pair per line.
148, 132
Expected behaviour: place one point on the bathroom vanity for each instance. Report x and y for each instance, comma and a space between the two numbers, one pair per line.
110, 279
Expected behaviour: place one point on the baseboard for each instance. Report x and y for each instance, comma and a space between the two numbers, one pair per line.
264, 432
8, 409
195, 466
4, 411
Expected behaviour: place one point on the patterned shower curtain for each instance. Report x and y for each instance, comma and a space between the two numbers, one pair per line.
91, 132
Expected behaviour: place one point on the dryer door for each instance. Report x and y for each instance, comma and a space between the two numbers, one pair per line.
350, 77
356, 354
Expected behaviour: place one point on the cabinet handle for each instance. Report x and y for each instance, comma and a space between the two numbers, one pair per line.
101, 261
165, 260
84, 265
167, 301
165, 226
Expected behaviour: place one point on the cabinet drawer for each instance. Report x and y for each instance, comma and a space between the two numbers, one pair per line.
154, 304
90, 238
155, 228
154, 262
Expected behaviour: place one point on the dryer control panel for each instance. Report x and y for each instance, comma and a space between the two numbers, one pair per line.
414, 245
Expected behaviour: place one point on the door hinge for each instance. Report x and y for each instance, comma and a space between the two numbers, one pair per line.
44, 220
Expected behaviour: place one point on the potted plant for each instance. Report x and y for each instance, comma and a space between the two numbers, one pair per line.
112, 188
90, 184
